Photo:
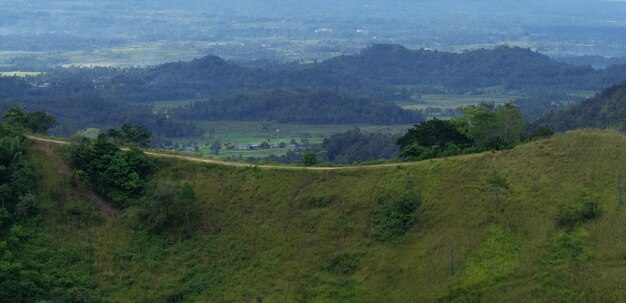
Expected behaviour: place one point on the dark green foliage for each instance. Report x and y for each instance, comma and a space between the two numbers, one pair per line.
434, 132
309, 159
170, 208
344, 264
498, 183
494, 127
356, 146
37, 122
431, 139
128, 134
118, 175
16, 178
76, 106
542, 132
483, 127
216, 147
394, 216
299, 106
571, 216
605, 110
29, 270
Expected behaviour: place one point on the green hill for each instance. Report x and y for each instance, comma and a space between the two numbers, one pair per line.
606, 109
371, 234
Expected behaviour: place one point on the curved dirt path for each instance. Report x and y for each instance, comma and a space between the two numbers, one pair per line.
104, 205
237, 164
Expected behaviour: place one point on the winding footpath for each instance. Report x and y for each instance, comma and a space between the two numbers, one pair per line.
226, 163
237, 164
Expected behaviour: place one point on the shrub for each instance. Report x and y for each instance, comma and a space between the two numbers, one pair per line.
571, 216
542, 132
393, 217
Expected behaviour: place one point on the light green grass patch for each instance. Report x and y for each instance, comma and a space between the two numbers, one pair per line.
19, 74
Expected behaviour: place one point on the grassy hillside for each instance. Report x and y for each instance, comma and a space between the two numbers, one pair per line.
265, 235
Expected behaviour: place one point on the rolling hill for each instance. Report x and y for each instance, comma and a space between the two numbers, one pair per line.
376, 71
372, 234
605, 110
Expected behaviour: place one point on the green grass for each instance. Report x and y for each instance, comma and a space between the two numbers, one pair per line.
455, 101
302, 236
19, 74
252, 132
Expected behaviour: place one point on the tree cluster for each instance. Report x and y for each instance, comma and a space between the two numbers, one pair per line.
36, 122
298, 106
483, 127
116, 174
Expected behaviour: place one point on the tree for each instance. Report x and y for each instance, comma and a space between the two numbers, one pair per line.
434, 132
497, 182
542, 132
216, 147
37, 122
511, 123
309, 159
16, 116
483, 125
430, 139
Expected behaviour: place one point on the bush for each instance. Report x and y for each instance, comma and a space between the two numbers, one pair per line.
309, 159
571, 216
542, 132
393, 217
118, 175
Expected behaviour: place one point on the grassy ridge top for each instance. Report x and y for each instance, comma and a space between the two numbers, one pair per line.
296, 236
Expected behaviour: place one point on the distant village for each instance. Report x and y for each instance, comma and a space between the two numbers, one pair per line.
216, 146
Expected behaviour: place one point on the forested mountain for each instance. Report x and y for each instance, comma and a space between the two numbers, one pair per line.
77, 105
606, 110
345, 89
510, 67
298, 106
211, 76
376, 71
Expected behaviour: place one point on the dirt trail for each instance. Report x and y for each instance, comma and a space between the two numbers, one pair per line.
105, 206
237, 164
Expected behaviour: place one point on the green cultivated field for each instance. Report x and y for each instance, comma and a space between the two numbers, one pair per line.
250, 132
455, 101
271, 235
19, 74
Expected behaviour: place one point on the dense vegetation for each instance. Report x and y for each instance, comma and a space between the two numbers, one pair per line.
345, 89
77, 105
298, 106
481, 128
606, 110
34, 265
376, 71
545, 231
350, 147
116, 174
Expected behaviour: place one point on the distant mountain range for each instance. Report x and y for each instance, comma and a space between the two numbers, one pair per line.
380, 71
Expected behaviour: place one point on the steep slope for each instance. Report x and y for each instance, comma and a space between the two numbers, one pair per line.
605, 110
315, 236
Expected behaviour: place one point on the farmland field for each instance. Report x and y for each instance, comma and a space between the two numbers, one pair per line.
455, 101
19, 74
253, 132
